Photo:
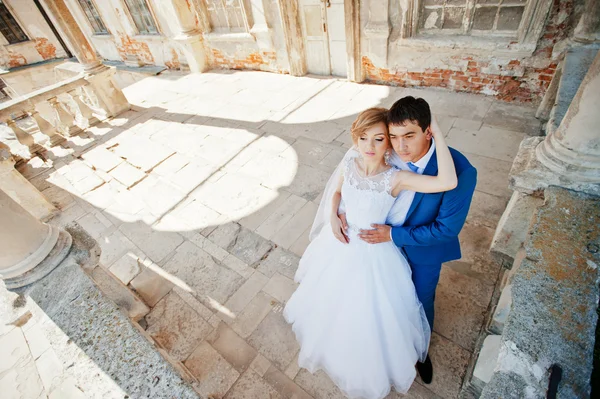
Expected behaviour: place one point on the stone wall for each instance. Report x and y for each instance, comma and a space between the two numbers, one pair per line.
42, 44
510, 70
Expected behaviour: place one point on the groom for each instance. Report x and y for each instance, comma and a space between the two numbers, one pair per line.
429, 235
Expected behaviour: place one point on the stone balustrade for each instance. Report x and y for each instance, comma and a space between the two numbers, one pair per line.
71, 105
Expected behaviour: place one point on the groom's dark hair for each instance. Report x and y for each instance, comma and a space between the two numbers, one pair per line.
410, 109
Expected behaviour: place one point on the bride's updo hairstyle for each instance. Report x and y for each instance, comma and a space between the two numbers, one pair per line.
367, 119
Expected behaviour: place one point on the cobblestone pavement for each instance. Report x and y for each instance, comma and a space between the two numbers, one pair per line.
202, 196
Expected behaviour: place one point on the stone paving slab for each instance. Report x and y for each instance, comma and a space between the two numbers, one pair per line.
206, 220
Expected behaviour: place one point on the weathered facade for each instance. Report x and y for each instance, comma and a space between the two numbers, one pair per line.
506, 48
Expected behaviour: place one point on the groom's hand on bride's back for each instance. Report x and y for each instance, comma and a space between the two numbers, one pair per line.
379, 234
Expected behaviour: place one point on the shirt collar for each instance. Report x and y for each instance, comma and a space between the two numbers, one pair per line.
422, 163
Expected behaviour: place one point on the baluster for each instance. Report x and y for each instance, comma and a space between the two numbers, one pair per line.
33, 141
46, 127
9, 138
98, 107
86, 112
64, 121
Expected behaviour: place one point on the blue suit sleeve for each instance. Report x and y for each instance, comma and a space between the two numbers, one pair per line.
450, 219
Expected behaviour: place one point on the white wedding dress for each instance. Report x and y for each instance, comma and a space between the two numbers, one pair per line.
356, 314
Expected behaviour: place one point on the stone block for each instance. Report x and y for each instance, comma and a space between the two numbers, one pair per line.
318, 385
297, 225
232, 347
214, 375
238, 266
460, 307
37, 341
49, 368
275, 340
176, 327
494, 143
127, 174
492, 175
67, 389
513, 226
120, 294
486, 209
280, 216
450, 363
279, 261
113, 247
127, 267
211, 282
244, 295
513, 117
13, 348
142, 152
22, 381
253, 314
256, 218
155, 244
261, 365
102, 159
285, 386
251, 386
502, 311
280, 287
308, 182
225, 234
249, 246
150, 285
486, 362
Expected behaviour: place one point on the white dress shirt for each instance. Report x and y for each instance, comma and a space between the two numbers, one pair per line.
399, 210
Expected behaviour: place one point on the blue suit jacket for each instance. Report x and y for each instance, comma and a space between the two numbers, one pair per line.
429, 234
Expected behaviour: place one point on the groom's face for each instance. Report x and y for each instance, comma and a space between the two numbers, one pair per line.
410, 142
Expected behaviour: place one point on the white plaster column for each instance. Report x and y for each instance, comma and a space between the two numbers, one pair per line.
21, 190
573, 150
109, 99
260, 29
189, 37
29, 249
377, 31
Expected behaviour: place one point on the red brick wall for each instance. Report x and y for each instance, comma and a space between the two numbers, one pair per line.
529, 84
258, 61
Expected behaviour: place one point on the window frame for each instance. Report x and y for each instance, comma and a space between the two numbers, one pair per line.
93, 2
134, 25
15, 17
528, 33
228, 31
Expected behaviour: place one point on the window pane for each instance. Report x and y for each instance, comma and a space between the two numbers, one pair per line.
456, 2
9, 27
453, 17
434, 2
226, 15
510, 18
484, 18
142, 17
431, 18
93, 16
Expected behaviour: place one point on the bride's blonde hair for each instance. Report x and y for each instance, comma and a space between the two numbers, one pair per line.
367, 119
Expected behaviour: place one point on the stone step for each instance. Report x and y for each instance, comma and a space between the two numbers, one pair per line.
502, 310
512, 229
486, 363
576, 64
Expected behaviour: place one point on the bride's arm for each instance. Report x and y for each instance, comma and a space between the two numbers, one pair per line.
336, 223
444, 181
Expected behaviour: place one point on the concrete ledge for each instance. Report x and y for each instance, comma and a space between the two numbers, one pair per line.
554, 300
512, 228
95, 342
486, 363
502, 310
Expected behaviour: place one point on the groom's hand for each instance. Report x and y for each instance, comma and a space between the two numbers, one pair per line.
380, 233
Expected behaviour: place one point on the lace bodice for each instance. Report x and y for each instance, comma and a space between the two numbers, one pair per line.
367, 199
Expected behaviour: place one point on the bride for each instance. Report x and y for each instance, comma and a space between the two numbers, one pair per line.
355, 313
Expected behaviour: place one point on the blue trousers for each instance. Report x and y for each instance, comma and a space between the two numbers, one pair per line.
425, 278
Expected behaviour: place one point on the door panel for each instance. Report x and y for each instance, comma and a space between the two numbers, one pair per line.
315, 37
337, 38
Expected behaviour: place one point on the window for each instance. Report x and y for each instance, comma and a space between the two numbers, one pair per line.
474, 17
142, 17
92, 15
9, 26
227, 15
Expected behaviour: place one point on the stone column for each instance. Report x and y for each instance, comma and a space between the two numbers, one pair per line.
82, 49
588, 28
30, 249
189, 37
260, 28
573, 150
294, 40
21, 190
